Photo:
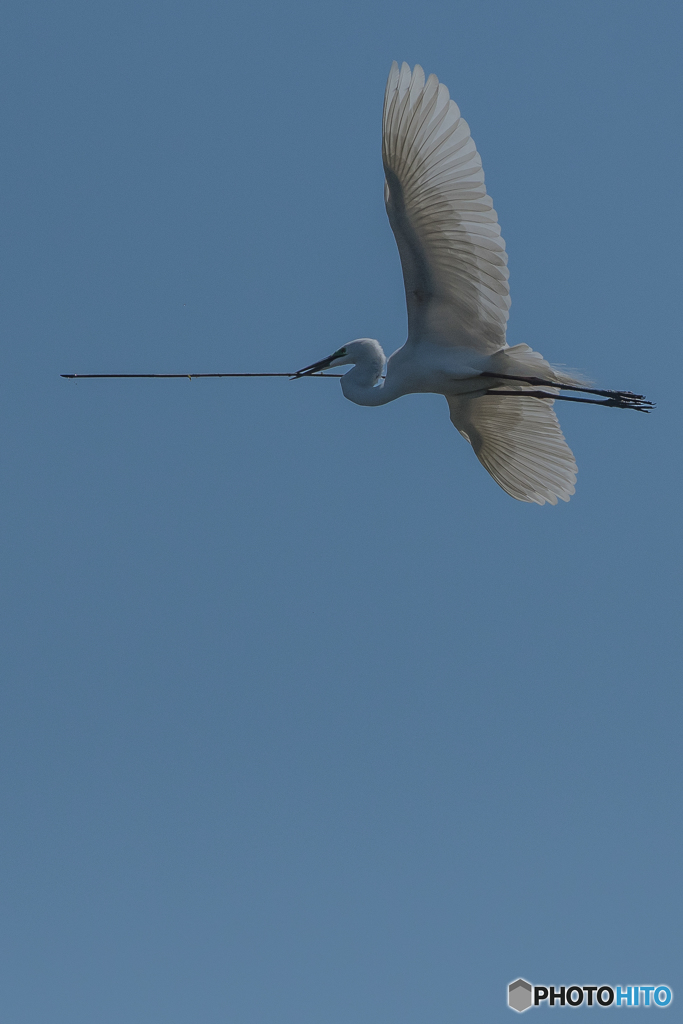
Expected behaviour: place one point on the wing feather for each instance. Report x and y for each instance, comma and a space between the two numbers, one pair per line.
519, 442
452, 253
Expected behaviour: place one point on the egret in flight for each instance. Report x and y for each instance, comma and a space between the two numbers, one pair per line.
456, 279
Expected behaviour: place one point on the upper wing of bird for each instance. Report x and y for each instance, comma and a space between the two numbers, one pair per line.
453, 257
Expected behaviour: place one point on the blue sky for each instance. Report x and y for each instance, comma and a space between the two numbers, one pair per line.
304, 720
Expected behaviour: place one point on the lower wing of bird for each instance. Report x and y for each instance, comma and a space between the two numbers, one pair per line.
519, 442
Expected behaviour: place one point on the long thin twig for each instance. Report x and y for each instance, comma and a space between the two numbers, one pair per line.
85, 376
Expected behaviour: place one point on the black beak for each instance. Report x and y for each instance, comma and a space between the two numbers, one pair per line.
307, 371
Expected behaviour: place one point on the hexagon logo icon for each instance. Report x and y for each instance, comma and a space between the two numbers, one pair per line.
519, 995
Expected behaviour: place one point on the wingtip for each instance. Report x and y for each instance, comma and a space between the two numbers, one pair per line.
391, 81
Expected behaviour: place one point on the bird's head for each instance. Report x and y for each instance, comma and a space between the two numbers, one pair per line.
364, 352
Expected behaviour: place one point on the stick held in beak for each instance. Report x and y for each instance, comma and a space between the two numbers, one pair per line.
322, 364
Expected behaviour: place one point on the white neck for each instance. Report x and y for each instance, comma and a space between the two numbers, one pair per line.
363, 384
360, 386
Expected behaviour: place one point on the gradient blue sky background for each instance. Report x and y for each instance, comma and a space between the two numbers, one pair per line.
304, 720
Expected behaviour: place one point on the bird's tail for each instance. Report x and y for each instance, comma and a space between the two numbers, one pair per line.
522, 361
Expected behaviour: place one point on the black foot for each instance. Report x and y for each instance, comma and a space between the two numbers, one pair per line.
627, 400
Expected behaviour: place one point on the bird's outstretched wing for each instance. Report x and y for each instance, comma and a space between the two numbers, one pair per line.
519, 441
453, 257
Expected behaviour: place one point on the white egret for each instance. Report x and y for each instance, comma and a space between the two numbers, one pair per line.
456, 280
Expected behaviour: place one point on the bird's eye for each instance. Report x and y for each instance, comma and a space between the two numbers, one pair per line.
341, 352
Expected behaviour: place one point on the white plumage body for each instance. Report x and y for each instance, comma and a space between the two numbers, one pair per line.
456, 280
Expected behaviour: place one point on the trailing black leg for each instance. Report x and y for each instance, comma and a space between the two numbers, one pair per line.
619, 399
626, 396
